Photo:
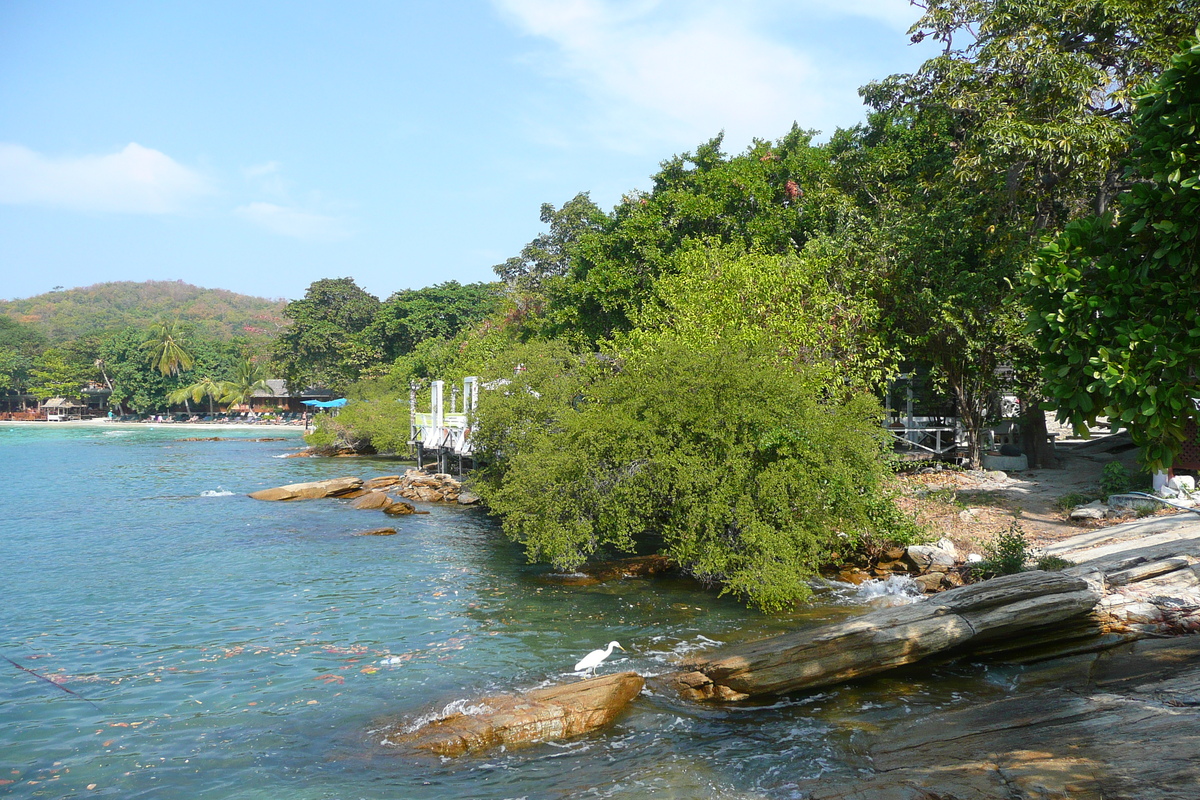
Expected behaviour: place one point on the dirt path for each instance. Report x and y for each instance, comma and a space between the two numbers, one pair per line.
971, 507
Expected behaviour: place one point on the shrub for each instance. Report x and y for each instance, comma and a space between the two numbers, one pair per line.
746, 474
1053, 563
1115, 479
1006, 554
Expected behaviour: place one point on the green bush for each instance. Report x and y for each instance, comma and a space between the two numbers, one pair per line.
1006, 554
746, 474
1053, 563
1115, 479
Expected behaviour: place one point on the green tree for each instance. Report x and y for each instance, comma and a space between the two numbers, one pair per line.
685, 450
165, 349
205, 387
326, 343
441, 311
1115, 297
58, 372
247, 379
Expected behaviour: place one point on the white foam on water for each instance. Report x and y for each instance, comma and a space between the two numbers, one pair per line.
456, 707
218, 492
896, 590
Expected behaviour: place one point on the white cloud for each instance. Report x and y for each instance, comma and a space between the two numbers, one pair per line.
293, 222
654, 73
136, 180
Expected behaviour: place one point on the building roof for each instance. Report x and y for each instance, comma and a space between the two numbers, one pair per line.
61, 402
279, 387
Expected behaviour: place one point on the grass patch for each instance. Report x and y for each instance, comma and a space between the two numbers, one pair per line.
1074, 500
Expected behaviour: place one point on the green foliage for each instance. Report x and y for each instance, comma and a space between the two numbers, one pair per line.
1053, 563
205, 387
109, 307
1006, 554
327, 343
744, 472
247, 379
1114, 297
442, 311
165, 349
805, 308
1115, 479
1073, 500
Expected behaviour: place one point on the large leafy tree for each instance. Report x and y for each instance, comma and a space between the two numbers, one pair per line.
20, 346
600, 272
1036, 98
1116, 298
940, 265
441, 311
326, 343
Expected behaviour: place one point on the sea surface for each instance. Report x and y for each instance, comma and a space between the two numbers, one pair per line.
215, 646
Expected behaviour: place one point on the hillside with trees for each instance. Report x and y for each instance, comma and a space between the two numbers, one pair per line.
66, 314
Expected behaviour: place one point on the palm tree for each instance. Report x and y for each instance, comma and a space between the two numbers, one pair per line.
247, 379
205, 386
166, 353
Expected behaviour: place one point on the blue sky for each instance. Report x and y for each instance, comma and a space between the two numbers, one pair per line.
261, 146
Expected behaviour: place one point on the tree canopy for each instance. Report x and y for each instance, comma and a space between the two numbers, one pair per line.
1115, 296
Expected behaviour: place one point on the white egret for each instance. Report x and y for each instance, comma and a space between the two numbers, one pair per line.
593, 659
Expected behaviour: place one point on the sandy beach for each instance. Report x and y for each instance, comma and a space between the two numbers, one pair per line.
257, 427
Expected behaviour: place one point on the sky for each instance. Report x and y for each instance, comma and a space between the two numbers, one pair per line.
261, 146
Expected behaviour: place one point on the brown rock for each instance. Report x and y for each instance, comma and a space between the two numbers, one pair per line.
382, 482
544, 715
308, 491
1123, 724
377, 532
992, 611
400, 508
930, 582
373, 501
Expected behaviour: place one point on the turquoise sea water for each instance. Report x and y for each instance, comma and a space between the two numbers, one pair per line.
232, 648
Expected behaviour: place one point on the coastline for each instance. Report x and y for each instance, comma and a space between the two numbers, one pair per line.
197, 426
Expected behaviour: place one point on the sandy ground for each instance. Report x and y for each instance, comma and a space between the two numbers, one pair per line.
972, 507
266, 428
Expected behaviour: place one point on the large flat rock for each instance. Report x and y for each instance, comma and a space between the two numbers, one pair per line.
309, 491
1120, 725
558, 712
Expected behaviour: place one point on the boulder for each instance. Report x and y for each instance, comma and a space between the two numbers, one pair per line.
1093, 510
927, 558
382, 482
373, 501
399, 508
377, 532
930, 581
558, 712
309, 491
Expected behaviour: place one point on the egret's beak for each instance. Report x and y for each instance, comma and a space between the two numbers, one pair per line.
622, 648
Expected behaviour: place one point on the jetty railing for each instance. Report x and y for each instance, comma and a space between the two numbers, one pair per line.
444, 431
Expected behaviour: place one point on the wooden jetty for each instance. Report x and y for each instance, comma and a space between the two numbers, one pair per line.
444, 432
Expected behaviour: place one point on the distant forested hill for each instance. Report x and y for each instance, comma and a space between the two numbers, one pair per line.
217, 313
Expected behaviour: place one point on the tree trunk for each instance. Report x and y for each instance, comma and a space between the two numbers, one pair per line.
1035, 440
970, 415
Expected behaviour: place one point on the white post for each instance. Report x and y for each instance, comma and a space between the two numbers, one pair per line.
438, 420
470, 393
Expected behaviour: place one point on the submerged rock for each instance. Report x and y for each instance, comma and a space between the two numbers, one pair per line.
543, 715
377, 532
309, 491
